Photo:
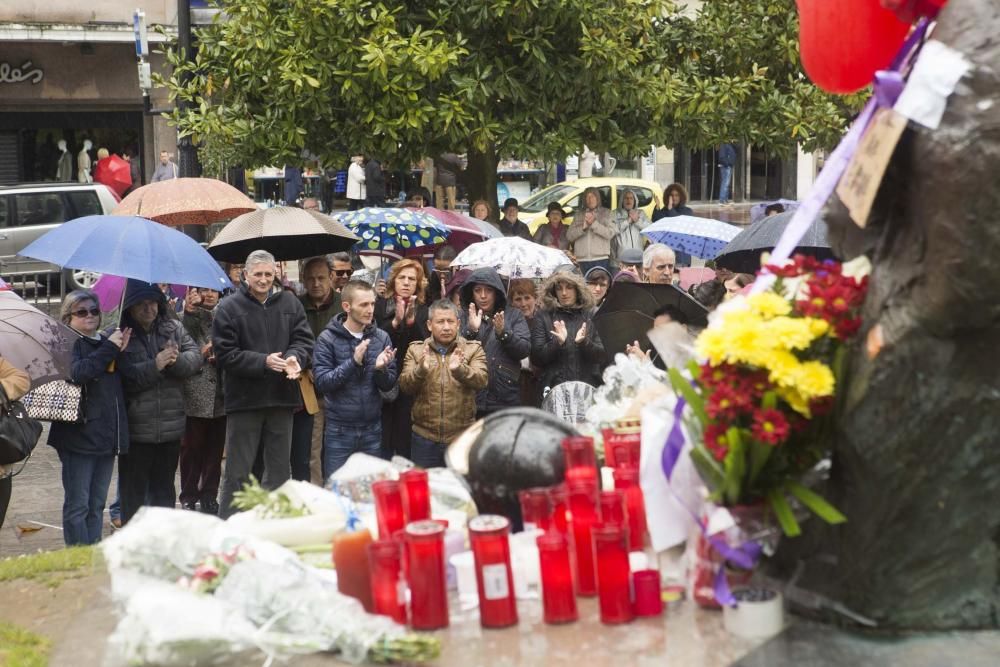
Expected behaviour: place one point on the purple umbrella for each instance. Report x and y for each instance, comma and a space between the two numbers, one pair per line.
109, 291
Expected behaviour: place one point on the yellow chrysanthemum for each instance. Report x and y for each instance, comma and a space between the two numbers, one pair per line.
782, 366
814, 379
789, 333
795, 400
712, 345
769, 304
817, 326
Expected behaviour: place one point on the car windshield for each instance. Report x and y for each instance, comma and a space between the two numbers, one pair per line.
540, 201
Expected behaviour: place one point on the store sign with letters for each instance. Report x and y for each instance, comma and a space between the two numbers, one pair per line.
26, 72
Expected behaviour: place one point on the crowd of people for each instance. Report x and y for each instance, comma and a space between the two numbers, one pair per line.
288, 381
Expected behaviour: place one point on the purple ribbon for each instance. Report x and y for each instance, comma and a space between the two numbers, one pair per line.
888, 85
675, 441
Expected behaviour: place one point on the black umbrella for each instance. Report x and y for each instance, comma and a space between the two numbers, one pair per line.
284, 231
742, 255
628, 312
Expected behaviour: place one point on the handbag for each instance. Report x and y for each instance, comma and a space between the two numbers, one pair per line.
19, 433
57, 401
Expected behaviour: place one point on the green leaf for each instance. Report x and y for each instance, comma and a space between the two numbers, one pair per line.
783, 513
760, 452
709, 469
683, 386
815, 502
735, 465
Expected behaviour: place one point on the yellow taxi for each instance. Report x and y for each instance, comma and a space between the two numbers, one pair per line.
568, 194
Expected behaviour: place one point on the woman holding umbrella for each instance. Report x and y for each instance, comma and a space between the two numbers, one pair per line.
87, 450
15, 384
402, 313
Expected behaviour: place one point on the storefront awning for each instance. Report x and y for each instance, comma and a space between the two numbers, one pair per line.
87, 32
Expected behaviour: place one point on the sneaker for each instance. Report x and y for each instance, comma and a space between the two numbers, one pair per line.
210, 507
116, 523
190, 506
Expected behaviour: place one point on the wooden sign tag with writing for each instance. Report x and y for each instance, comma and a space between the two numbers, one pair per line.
860, 182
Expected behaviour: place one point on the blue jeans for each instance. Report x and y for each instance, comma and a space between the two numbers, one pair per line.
85, 479
342, 440
725, 183
427, 453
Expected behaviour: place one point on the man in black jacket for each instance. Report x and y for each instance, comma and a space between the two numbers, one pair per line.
262, 342
504, 335
509, 223
374, 183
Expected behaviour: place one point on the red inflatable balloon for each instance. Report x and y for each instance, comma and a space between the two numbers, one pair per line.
844, 42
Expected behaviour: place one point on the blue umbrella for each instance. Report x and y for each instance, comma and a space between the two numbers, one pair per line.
131, 247
394, 228
701, 237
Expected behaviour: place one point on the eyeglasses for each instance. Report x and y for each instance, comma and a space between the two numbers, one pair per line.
83, 312
340, 273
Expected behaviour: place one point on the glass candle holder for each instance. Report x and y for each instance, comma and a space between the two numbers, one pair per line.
558, 599
621, 443
581, 461
385, 565
388, 507
627, 479
613, 507
613, 596
536, 509
646, 587
416, 495
350, 558
560, 508
584, 514
489, 539
426, 575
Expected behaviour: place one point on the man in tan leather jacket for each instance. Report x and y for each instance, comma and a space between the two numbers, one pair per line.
443, 373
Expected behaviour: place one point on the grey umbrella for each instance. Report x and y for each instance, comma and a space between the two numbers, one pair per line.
34, 342
284, 231
742, 254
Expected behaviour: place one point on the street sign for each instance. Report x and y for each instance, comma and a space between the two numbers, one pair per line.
145, 77
139, 28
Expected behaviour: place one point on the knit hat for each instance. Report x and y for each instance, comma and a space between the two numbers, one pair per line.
137, 290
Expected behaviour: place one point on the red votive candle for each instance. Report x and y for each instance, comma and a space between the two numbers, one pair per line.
385, 562
489, 538
614, 599
646, 586
560, 508
426, 575
627, 479
558, 599
581, 461
584, 514
388, 507
416, 495
536, 509
613, 507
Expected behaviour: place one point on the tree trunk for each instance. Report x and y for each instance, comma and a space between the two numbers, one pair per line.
916, 461
481, 179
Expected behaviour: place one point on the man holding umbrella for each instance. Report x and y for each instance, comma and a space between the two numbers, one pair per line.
262, 342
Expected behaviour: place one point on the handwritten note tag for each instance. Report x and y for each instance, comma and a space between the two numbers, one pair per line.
861, 180
935, 75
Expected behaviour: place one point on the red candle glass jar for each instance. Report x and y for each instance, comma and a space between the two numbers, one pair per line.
621, 443
385, 562
646, 586
426, 575
536, 509
627, 479
489, 538
416, 495
558, 599
388, 507
613, 596
560, 508
350, 558
613, 507
581, 462
584, 515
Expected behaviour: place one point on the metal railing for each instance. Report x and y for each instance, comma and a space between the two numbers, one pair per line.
44, 290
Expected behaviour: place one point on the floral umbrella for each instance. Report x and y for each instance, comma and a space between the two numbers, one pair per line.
186, 201
34, 342
513, 257
393, 228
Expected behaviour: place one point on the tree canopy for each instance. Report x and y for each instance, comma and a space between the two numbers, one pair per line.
272, 81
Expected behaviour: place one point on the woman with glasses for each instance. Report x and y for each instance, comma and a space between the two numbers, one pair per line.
87, 450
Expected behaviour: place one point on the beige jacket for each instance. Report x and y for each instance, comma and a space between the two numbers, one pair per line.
16, 384
444, 401
594, 242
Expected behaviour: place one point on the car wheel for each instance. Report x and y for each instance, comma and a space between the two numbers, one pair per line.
80, 279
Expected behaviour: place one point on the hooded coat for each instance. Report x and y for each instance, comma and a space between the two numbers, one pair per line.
154, 398
571, 360
351, 392
627, 233
504, 351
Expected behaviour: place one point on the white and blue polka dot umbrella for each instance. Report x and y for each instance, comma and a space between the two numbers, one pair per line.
394, 228
701, 237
